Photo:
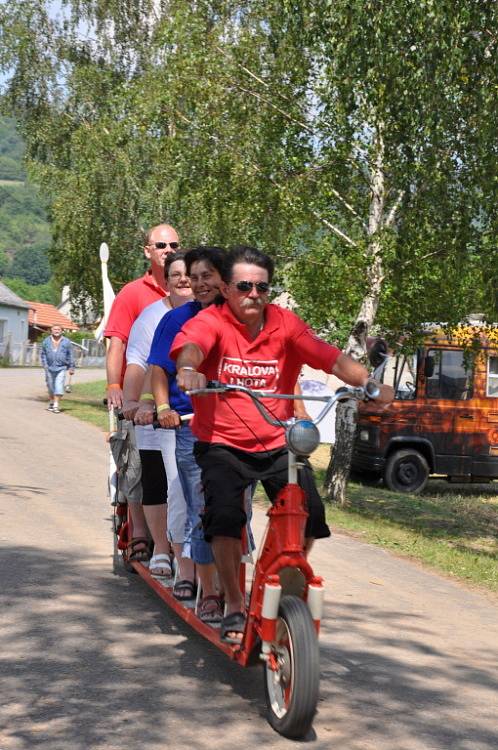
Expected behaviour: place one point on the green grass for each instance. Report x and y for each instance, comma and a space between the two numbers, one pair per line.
453, 531
85, 403
451, 528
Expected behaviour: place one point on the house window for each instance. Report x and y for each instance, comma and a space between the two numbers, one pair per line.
492, 384
451, 375
3, 332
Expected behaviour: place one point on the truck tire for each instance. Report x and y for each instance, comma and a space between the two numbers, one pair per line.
406, 471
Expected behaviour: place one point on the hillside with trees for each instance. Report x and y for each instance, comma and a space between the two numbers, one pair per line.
24, 227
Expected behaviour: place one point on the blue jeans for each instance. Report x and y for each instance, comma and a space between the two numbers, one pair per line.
55, 381
195, 545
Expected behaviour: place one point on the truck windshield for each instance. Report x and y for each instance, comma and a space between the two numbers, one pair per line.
401, 373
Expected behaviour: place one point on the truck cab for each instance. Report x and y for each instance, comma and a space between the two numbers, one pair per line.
444, 417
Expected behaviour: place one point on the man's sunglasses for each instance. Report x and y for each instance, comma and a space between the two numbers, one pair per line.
164, 245
246, 286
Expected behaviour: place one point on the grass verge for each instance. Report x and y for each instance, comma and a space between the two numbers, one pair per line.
452, 528
85, 403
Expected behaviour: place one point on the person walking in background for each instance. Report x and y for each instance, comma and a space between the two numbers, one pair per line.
56, 357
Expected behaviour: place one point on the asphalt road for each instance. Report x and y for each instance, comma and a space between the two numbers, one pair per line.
90, 659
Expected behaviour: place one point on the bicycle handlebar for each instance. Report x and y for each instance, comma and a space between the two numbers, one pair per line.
369, 391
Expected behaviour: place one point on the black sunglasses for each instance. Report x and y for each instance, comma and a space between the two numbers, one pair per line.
246, 286
164, 245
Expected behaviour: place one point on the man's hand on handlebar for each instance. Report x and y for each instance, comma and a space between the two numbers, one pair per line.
145, 413
169, 418
129, 409
189, 379
114, 397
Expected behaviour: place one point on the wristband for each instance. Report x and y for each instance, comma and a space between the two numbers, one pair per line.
147, 395
187, 367
114, 385
162, 407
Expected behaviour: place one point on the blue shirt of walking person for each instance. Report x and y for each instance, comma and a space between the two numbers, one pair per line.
56, 359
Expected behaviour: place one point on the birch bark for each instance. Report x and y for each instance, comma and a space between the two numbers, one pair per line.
342, 452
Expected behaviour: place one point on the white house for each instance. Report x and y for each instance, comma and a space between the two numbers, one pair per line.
13, 319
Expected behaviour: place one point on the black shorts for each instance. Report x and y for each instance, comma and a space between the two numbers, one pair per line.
226, 472
154, 482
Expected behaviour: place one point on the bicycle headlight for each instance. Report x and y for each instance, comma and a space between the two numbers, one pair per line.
303, 437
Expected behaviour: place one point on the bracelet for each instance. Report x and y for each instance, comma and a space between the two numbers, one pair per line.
163, 407
114, 385
187, 367
147, 395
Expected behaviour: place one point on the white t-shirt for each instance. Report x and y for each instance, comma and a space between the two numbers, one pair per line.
137, 353
142, 333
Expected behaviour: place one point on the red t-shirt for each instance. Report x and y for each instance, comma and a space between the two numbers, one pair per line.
127, 306
271, 362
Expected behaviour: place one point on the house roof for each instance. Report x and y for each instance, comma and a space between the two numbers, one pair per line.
7, 297
43, 315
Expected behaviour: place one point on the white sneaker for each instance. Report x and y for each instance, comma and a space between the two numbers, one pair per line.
50, 407
56, 410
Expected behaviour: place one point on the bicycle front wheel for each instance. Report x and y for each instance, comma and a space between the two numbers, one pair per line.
291, 688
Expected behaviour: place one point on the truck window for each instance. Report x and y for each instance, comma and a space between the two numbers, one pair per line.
404, 376
492, 384
452, 377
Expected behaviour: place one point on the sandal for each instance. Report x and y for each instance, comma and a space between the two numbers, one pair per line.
160, 566
235, 622
184, 590
138, 550
210, 609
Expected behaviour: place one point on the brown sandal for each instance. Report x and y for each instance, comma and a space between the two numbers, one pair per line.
211, 609
139, 550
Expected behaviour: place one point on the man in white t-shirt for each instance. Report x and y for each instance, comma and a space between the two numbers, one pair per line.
157, 447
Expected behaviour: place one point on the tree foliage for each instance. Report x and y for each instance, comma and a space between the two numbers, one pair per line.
48, 292
264, 122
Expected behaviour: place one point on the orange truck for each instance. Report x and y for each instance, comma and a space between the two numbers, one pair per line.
444, 417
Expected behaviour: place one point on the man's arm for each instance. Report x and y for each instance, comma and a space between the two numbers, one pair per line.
352, 372
114, 365
132, 389
189, 359
71, 364
43, 355
299, 405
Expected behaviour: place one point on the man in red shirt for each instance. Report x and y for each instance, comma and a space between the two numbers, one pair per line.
160, 241
250, 342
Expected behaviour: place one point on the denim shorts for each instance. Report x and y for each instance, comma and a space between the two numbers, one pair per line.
55, 381
195, 545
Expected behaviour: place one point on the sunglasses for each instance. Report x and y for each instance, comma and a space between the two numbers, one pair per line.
246, 286
164, 245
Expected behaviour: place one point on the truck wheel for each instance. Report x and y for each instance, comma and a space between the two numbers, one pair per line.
406, 471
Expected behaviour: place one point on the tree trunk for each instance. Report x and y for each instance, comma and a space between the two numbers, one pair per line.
340, 463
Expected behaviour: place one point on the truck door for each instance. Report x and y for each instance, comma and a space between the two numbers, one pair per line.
449, 415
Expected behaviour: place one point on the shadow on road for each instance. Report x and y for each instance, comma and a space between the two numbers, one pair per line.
94, 660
